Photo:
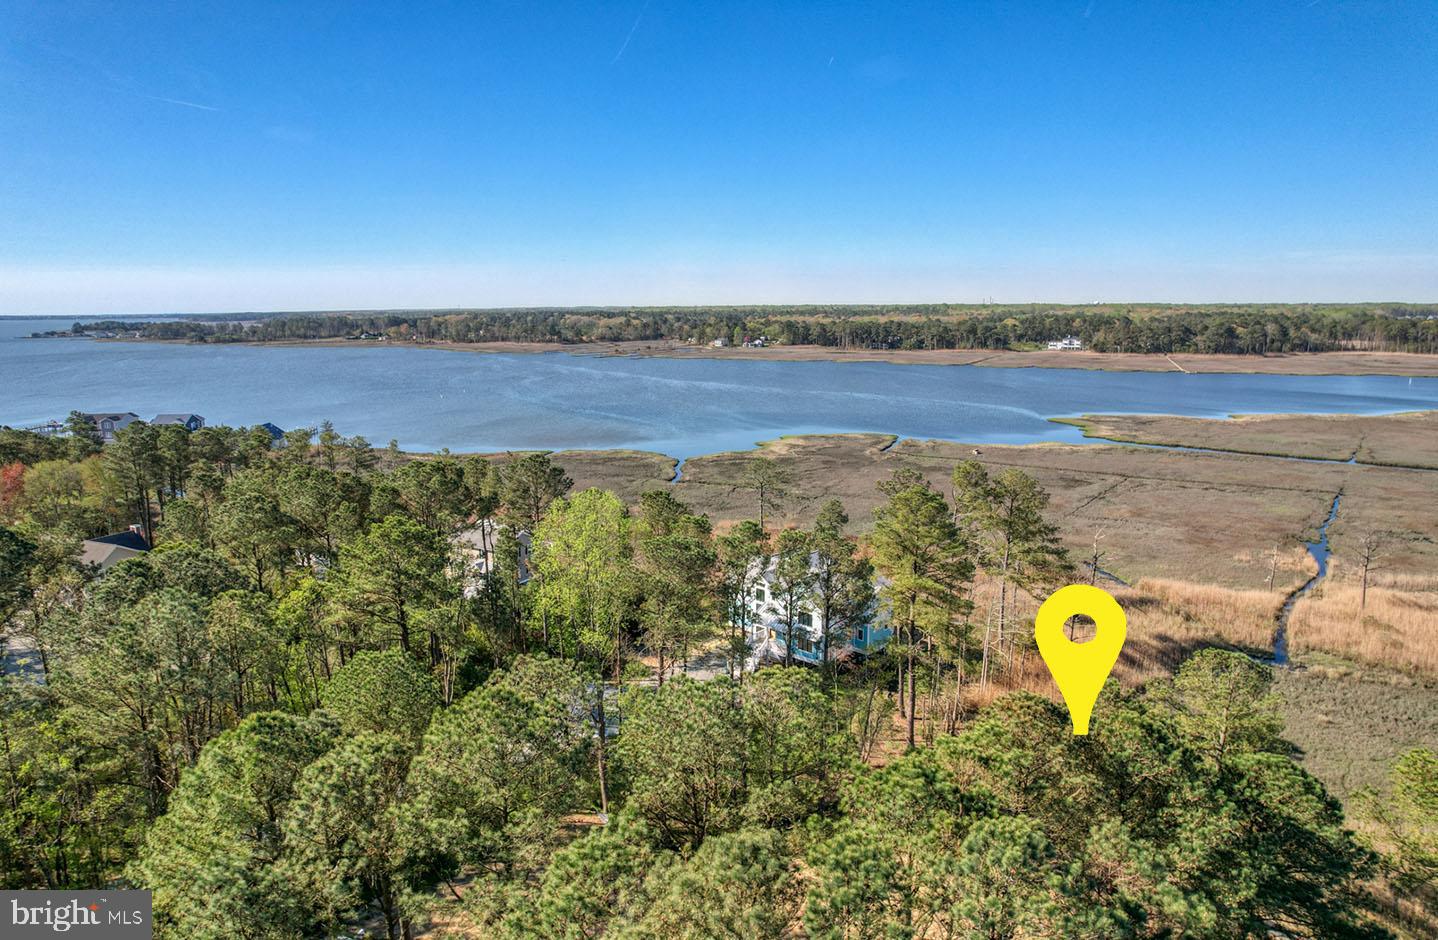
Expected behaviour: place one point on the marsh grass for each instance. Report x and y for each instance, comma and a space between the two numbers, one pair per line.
1398, 626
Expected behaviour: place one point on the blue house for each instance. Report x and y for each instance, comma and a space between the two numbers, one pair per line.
766, 622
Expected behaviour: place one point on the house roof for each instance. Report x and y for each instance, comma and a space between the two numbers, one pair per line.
126, 539
112, 415
274, 430
174, 419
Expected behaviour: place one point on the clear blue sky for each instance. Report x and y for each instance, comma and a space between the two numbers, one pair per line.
201, 156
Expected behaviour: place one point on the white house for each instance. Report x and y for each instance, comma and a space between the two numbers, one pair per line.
1068, 342
479, 545
766, 619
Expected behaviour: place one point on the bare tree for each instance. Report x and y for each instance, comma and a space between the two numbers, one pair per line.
1370, 547
1096, 558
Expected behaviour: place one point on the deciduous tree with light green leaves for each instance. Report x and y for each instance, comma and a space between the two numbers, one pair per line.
586, 586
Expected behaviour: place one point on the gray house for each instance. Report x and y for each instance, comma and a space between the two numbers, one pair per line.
108, 422
188, 422
107, 551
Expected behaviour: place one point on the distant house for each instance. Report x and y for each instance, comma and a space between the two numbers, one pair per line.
108, 422
188, 422
479, 545
276, 433
767, 623
105, 552
721, 342
1068, 342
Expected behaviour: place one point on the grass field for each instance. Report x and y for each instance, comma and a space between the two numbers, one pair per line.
1327, 363
1320, 363
1216, 518
1398, 626
1401, 440
1350, 723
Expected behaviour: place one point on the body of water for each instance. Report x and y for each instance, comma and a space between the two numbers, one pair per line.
430, 399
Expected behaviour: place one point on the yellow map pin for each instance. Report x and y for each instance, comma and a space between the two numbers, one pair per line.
1080, 668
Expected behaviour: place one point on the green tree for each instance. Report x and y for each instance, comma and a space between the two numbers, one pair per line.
770, 482
327, 508
585, 586
792, 581
593, 887
860, 891
683, 749
148, 689
83, 437
500, 767
212, 860
341, 834
248, 646
252, 529
17, 554
1225, 704
843, 590
1407, 814
383, 692
434, 492
385, 575
741, 556
132, 461
921, 551
738, 885
528, 485
1019, 546
675, 566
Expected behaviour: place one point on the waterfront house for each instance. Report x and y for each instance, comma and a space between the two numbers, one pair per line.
1068, 342
106, 551
479, 545
108, 422
276, 433
188, 422
767, 616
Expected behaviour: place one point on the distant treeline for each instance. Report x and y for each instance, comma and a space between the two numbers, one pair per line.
1252, 329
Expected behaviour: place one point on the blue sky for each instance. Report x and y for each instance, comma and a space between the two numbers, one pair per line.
251, 156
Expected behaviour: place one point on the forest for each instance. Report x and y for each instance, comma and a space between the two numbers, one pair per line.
314, 707
1252, 329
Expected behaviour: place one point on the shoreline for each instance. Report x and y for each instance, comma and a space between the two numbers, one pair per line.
1345, 363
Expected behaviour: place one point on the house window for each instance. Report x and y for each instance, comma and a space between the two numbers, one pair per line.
803, 644
759, 593
806, 619
858, 634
